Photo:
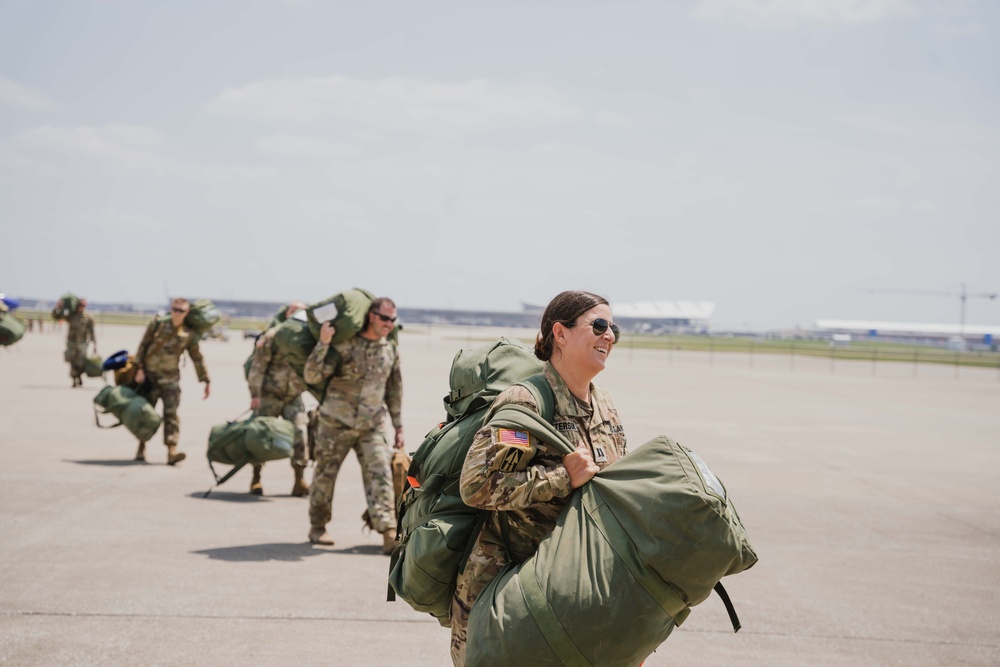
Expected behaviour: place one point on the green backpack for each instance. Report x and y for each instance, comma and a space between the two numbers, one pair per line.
633, 550
11, 329
132, 410
93, 367
202, 316
254, 440
436, 528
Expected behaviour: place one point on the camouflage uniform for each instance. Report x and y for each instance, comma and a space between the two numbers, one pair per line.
365, 380
532, 492
159, 357
79, 334
279, 388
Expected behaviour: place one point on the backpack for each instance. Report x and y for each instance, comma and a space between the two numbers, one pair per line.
254, 440
436, 529
202, 316
11, 329
132, 410
633, 550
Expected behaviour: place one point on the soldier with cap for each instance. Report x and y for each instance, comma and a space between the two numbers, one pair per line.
158, 371
365, 380
79, 333
276, 391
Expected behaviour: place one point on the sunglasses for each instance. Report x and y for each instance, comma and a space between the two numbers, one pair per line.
178, 310
600, 326
384, 318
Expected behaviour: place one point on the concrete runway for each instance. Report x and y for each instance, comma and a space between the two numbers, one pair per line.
870, 499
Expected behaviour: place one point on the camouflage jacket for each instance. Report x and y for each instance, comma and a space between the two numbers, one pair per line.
81, 329
533, 492
161, 348
364, 380
270, 372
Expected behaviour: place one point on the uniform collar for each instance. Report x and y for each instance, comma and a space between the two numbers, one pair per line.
565, 403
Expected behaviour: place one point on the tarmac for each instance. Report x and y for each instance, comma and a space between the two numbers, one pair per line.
869, 493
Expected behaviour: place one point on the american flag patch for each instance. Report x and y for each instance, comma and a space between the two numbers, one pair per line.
508, 436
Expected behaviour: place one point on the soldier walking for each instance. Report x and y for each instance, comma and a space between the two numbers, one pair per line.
158, 371
364, 380
276, 391
79, 333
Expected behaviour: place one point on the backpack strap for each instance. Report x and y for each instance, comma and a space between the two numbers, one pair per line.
541, 390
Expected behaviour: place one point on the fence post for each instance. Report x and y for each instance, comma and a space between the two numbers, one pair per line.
874, 359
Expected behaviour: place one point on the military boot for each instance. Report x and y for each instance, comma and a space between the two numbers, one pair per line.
173, 456
256, 488
300, 488
140, 454
320, 536
389, 541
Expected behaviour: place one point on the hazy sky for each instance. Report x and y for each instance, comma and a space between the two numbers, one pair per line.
777, 157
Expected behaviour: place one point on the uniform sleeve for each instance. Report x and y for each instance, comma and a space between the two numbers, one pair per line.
194, 351
262, 355
317, 367
90, 331
487, 484
394, 394
147, 338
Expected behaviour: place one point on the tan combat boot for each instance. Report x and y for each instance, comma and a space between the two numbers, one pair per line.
256, 488
140, 454
173, 456
389, 541
300, 488
320, 536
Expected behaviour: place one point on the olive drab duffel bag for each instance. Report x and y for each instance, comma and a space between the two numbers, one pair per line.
132, 410
435, 527
347, 311
254, 440
93, 367
202, 316
66, 306
11, 329
633, 550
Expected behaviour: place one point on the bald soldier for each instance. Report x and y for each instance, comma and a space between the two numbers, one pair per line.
364, 381
158, 371
276, 391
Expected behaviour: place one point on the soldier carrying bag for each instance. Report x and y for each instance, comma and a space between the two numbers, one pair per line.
436, 529
254, 440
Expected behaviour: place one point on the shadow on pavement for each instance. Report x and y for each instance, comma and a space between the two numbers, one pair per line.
107, 462
360, 550
229, 496
263, 552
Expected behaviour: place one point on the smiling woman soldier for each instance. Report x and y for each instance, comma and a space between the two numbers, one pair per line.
528, 481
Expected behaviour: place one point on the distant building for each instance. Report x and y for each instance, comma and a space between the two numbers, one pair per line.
945, 334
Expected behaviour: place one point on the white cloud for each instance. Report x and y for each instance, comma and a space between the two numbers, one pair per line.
308, 146
395, 103
786, 13
19, 96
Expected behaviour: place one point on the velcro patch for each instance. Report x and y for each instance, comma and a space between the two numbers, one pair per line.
564, 426
508, 436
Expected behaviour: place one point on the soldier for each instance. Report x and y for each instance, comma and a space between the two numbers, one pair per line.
276, 391
365, 380
528, 481
158, 372
79, 333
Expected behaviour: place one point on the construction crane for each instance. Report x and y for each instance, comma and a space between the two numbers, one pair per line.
962, 296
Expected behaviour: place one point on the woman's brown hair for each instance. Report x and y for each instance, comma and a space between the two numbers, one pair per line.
565, 307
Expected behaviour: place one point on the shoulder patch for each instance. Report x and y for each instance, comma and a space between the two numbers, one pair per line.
508, 436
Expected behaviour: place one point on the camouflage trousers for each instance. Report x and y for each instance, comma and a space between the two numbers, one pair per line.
486, 561
333, 442
293, 411
167, 389
76, 356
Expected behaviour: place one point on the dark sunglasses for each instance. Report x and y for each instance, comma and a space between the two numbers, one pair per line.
178, 310
600, 326
384, 318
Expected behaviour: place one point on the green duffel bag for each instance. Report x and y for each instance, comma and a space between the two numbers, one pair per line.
202, 316
348, 311
132, 410
633, 550
93, 367
11, 329
254, 440
66, 306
